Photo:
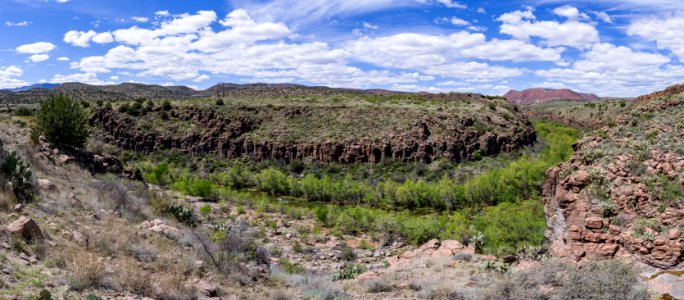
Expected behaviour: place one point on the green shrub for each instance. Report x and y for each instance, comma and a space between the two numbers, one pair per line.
202, 188
158, 175
135, 109
23, 111
63, 121
166, 105
205, 210
507, 227
219, 102
348, 271
348, 253
182, 214
290, 267
273, 182
123, 108
421, 229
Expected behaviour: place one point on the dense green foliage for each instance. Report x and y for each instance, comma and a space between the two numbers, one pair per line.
23, 111
518, 180
496, 209
63, 121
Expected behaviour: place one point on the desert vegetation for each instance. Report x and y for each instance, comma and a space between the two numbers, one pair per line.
195, 224
62, 121
458, 202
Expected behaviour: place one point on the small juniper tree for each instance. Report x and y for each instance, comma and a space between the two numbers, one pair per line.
63, 121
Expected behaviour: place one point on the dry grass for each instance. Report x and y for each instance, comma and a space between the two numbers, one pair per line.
87, 270
173, 284
131, 277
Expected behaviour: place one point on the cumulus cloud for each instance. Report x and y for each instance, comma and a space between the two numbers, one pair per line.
666, 32
9, 77
413, 50
573, 32
459, 22
39, 57
89, 78
186, 47
607, 67
83, 38
36, 48
452, 4
63, 58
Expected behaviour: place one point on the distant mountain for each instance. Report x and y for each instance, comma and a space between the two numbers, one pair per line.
33, 86
130, 91
539, 95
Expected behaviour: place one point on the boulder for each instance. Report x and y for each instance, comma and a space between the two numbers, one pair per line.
163, 228
45, 184
26, 228
79, 238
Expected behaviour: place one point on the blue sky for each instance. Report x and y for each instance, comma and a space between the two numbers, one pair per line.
608, 47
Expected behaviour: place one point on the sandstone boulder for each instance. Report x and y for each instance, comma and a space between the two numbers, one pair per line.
27, 228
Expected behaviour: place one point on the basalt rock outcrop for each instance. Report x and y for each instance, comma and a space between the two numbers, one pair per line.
621, 195
326, 134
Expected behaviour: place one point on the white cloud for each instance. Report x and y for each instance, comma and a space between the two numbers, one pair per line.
452, 4
162, 13
570, 12
62, 1
39, 57
522, 25
17, 24
513, 50
459, 22
244, 48
184, 24
370, 26
243, 31
296, 11
9, 77
103, 38
665, 31
603, 16
607, 68
140, 19
83, 38
63, 58
36, 48
89, 78
418, 51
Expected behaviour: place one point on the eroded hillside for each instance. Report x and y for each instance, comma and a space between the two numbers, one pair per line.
621, 195
343, 128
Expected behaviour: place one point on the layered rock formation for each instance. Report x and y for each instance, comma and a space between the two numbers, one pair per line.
539, 95
621, 195
322, 133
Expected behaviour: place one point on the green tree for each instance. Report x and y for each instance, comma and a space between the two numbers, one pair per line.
63, 121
